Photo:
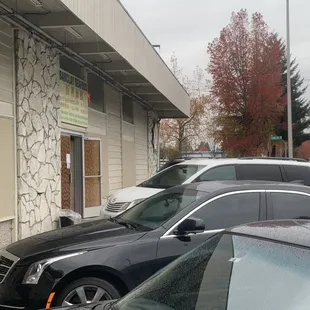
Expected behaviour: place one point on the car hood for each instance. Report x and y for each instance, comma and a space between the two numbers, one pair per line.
91, 234
130, 194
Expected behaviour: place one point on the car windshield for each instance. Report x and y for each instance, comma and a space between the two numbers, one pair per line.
228, 272
173, 176
156, 210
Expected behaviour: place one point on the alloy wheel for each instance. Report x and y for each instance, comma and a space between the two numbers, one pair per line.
86, 294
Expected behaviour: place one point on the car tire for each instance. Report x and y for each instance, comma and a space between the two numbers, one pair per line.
71, 294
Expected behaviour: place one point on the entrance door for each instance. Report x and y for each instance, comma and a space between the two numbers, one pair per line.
72, 173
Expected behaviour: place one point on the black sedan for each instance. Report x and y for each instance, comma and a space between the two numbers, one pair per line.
257, 266
104, 260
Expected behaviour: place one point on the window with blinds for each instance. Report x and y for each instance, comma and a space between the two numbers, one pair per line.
127, 109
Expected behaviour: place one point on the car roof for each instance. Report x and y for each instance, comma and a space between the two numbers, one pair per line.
227, 161
294, 231
226, 186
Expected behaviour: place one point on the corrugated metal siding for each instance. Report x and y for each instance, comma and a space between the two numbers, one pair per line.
97, 122
113, 104
6, 69
140, 120
128, 132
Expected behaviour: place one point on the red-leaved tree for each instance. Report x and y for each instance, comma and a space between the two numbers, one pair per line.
245, 66
304, 150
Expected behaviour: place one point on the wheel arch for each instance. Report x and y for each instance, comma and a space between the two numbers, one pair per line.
95, 271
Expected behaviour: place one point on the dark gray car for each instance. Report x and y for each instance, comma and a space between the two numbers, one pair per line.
261, 265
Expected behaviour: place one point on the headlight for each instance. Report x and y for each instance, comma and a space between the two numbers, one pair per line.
135, 202
35, 271
125, 206
131, 204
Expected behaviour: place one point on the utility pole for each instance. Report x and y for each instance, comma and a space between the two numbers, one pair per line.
289, 86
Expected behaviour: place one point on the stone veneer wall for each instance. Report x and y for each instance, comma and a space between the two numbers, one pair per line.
6, 232
152, 152
38, 134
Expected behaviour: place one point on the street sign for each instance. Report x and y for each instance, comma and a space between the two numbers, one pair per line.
276, 137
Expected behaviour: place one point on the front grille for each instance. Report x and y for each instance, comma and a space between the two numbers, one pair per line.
7, 260
114, 207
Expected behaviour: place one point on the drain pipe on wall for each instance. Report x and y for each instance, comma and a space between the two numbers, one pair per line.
158, 145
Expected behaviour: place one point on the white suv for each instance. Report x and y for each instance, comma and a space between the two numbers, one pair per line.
197, 170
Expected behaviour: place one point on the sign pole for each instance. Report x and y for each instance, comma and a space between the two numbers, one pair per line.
289, 86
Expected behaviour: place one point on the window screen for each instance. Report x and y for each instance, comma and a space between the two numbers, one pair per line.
96, 92
71, 67
127, 109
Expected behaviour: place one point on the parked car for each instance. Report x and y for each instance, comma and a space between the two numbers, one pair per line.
197, 170
256, 266
105, 259
170, 163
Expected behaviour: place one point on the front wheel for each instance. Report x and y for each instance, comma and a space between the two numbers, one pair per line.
86, 291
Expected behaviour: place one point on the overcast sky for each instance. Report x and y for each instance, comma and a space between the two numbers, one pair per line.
187, 27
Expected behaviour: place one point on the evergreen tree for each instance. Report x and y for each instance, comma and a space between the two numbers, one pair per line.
300, 106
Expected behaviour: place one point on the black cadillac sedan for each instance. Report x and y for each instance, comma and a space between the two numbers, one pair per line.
105, 259
257, 266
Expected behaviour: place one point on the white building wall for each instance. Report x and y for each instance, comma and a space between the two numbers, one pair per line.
7, 135
114, 131
140, 120
128, 132
97, 122
6, 70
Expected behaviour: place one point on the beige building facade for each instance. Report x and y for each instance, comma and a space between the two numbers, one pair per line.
82, 92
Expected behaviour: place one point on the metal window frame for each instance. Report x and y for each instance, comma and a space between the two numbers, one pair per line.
283, 191
270, 211
169, 232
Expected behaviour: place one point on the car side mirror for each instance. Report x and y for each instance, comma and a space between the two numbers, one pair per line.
191, 226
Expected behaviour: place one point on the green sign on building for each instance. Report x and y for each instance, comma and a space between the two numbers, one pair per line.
276, 137
73, 100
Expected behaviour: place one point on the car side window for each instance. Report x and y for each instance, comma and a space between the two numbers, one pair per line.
175, 175
297, 173
290, 206
230, 211
259, 172
221, 173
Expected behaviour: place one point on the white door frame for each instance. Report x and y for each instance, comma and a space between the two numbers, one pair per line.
67, 132
93, 211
